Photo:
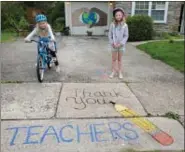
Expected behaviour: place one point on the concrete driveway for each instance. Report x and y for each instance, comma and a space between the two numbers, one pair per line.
72, 106
88, 60
83, 59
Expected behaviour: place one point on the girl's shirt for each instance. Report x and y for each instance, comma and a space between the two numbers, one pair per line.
42, 33
118, 33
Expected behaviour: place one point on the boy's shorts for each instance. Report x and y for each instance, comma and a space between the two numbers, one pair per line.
121, 49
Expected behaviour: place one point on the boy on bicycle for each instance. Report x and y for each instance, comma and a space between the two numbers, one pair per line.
43, 29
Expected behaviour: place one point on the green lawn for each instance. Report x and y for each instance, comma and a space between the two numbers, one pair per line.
170, 53
8, 37
130, 150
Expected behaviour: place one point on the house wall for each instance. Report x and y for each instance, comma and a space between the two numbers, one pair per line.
173, 17
127, 6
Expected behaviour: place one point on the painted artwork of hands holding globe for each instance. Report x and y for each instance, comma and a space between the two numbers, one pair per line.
85, 16
89, 18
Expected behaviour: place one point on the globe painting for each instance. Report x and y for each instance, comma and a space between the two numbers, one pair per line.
89, 18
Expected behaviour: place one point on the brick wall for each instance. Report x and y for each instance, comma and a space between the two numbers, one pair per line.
174, 9
127, 6
173, 18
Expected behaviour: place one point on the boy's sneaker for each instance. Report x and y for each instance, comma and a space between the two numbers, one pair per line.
112, 75
120, 75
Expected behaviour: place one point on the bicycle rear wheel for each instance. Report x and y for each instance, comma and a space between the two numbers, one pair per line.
40, 69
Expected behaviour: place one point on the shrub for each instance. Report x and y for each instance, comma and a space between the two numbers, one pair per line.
56, 12
12, 12
59, 24
23, 24
165, 35
171, 41
140, 27
173, 33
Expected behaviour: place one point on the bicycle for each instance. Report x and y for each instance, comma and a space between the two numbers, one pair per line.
44, 57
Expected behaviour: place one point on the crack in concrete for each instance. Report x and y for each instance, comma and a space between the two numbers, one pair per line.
83, 118
56, 109
137, 99
62, 81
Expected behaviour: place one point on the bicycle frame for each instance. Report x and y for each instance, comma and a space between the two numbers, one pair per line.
43, 51
44, 56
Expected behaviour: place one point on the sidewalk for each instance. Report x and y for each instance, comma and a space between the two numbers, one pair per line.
71, 112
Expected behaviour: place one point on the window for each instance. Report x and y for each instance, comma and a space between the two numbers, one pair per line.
156, 9
142, 8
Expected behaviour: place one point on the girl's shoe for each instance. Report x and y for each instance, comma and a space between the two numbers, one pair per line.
120, 75
112, 75
56, 63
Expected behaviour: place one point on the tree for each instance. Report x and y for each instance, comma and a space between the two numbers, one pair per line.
12, 13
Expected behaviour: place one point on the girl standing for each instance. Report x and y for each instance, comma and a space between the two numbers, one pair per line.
118, 36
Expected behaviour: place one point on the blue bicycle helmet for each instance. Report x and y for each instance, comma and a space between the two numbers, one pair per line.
40, 18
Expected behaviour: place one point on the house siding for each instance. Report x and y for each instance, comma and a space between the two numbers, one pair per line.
173, 17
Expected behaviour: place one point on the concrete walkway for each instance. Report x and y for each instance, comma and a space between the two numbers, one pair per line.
71, 112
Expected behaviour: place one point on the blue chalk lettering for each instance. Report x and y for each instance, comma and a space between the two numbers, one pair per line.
29, 134
98, 132
15, 134
131, 130
85, 133
61, 134
114, 130
53, 133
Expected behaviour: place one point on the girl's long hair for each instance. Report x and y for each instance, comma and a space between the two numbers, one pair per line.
116, 22
42, 33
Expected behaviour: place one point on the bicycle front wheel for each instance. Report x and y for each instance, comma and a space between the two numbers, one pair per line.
40, 69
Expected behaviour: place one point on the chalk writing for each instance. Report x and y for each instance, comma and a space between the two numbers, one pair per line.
104, 74
84, 97
94, 133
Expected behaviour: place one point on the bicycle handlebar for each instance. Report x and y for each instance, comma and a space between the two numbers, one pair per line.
35, 41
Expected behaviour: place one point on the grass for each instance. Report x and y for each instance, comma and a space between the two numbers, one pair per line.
172, 115
131, 150
177, 37
167, 36
170, 53
8, 37
5, 82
